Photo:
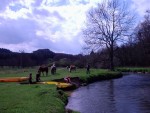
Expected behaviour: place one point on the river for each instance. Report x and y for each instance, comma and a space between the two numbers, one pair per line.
129, 94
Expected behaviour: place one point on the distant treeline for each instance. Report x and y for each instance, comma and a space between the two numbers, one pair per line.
39, 57
135, 54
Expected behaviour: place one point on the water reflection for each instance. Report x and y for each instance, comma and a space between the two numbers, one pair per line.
129, 94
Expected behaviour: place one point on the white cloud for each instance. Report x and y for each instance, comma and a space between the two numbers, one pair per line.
54, 24
141, 6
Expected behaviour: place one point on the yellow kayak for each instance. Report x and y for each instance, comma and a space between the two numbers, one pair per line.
58, 84
63, 85
14, 79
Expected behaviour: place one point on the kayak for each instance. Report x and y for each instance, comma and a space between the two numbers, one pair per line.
63, 85
14, 79
58, 84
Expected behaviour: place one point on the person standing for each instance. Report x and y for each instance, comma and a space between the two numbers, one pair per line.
87, 69
30, 78
38, 77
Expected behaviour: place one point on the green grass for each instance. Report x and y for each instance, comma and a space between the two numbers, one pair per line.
134, 69
61, 73
38, 98
16, 98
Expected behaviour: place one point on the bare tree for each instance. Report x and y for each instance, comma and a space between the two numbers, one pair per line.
107, 24
143, 33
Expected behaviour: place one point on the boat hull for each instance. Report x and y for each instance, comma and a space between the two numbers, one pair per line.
60, 85
14, 79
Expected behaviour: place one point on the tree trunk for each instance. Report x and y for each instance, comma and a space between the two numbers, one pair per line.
111, 58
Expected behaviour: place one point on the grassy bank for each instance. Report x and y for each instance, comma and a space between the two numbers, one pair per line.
134, 69
40, 98
17, 98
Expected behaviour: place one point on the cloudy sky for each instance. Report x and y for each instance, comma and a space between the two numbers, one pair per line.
28, 25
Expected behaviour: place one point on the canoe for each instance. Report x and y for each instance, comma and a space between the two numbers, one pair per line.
58, 84
14, 79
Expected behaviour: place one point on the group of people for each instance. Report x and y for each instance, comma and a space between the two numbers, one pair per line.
53, 71
37, 78
42, 69
68, 78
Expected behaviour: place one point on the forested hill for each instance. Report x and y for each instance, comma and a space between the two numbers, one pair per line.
38, 57
3, 51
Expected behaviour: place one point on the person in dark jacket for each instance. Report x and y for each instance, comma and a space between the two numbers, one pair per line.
87, 69
38, 77
30, 78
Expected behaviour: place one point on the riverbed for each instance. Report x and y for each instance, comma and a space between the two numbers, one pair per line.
129, 94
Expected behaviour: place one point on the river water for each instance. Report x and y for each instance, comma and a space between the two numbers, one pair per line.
129, 94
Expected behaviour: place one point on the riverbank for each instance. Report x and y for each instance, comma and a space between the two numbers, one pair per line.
41, 98
91, 78
134, 69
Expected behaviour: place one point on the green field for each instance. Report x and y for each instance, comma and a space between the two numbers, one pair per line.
37, 98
